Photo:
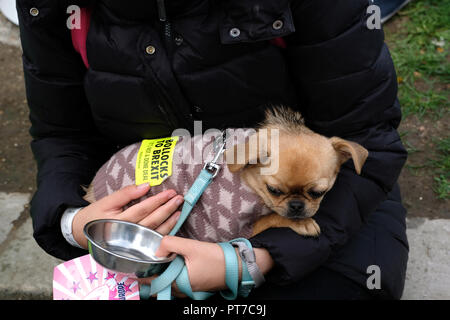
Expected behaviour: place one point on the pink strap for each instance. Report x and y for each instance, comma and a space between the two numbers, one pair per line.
79, 36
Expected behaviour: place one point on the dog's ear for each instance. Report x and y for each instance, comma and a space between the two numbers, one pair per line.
348, 149
254, 151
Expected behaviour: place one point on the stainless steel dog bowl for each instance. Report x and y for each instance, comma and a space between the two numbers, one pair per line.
125, 247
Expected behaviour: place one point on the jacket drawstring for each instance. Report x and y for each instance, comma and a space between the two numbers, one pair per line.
167, 26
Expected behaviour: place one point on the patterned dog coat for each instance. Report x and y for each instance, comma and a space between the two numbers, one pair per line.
227, 209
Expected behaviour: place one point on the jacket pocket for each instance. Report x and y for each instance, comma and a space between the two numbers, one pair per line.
255, 20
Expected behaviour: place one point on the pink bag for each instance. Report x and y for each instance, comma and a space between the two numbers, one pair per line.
84, 279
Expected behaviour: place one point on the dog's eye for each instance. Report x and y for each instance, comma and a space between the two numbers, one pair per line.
274, 191
316, 194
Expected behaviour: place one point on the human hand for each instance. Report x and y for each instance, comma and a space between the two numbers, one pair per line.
156, 212
205, 263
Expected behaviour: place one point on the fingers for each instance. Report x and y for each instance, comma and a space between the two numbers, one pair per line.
169, 244
161, 214
175, 291
141, 210
146, 281
123, 196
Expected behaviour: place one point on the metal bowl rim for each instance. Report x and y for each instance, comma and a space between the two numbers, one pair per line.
86, 227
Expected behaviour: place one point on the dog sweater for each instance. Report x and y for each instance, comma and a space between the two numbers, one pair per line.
227, 209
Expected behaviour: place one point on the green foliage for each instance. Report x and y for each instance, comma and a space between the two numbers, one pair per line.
419, 49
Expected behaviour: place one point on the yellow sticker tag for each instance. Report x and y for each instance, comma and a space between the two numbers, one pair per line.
154, 160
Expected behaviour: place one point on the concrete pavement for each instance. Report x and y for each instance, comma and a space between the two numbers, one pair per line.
25, 269
428, 273
9, 33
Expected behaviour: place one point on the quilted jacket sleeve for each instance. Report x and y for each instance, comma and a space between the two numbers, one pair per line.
66, 147
346, 84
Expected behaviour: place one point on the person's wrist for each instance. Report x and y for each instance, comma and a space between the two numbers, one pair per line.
250, 274
263, 260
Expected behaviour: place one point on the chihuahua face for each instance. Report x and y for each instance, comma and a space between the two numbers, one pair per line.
308, 164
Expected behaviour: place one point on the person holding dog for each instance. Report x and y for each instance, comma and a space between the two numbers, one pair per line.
147, 68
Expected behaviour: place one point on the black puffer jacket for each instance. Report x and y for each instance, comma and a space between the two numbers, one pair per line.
213, 61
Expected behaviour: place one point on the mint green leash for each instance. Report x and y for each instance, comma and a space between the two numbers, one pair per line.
177, 269
190, 199
231, 271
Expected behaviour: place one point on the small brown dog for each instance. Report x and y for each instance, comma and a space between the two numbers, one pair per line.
308, 166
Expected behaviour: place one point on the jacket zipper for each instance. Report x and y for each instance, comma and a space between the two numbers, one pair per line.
162, 15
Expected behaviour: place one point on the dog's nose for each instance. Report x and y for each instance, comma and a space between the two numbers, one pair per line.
295, 208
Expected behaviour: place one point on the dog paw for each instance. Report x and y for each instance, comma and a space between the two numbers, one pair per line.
306, 227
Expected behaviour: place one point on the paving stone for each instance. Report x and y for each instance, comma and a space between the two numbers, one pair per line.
26, 271
428, 273
9, 33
